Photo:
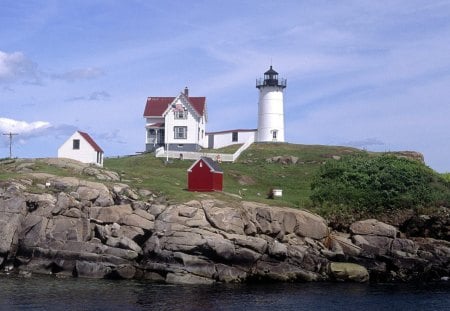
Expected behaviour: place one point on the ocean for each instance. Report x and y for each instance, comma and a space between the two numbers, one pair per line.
50, 293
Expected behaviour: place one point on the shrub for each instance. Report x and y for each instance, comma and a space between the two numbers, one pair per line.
376, 183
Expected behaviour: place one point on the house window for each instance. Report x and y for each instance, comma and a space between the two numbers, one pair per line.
76, 144
180, 114
180, 132
234, 136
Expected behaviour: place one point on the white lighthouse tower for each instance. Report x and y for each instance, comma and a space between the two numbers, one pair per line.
270, 107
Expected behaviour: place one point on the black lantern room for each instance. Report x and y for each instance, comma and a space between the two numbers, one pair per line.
270, 79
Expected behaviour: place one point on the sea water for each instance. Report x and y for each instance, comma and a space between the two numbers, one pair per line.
49, 293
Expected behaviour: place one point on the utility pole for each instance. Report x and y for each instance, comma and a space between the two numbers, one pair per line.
10, 134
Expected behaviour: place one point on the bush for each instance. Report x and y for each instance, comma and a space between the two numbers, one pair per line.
376, 183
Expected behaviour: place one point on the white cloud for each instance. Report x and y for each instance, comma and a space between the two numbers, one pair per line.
22, 127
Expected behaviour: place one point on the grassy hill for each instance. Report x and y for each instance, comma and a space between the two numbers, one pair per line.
251, 177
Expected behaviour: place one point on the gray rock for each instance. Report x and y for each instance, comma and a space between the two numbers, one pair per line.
187, 278
10, 225
111, 214
136, 220
373, 227
123, 242
92, 269
229, 274
404, 245
257, 244
104, 199
125, 271
187, 211
64, 183
310, 225
13, 205
373, 245
277, 250
222, 248
144, 214
346, 245
88, 194
227, 219
157, 209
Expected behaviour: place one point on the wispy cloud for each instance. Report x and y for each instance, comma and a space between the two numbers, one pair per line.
16, 66
113, 136
78, 74
94, 96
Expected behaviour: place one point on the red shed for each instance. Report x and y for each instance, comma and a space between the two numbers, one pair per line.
205, 175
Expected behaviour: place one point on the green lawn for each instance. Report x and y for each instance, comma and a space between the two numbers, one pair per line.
251, 177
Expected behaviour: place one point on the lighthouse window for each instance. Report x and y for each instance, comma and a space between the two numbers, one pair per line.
234, 136
274, 135
180, 132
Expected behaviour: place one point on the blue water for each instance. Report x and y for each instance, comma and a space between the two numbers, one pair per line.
48, 293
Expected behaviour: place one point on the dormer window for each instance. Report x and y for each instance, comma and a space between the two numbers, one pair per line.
180, 114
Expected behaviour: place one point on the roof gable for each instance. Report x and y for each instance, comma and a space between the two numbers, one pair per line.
90, 141
213, 166
157, 106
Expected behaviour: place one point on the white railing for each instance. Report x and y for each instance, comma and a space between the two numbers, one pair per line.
190, 155
159, 152
243, 148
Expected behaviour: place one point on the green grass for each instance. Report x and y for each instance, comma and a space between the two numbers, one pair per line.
250, 177
446, 176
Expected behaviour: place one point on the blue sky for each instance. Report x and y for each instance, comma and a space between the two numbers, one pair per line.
368, 74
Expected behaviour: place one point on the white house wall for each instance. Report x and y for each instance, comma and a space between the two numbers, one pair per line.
86, 153
223, 139
194, 126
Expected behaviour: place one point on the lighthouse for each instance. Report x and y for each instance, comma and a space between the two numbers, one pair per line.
270, 107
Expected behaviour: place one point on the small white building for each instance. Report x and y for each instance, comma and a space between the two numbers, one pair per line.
81, 147
231, 137
176, 123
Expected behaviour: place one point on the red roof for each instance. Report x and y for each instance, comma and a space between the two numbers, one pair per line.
90, 141
156, 106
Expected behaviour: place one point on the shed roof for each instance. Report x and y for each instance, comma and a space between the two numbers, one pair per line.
90, 141
211, 164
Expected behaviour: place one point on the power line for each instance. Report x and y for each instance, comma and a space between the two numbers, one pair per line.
10, 142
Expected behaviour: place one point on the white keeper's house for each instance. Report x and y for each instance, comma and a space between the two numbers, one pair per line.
179, 123
81, 147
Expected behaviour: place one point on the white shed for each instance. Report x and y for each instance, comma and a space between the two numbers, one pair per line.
81, 147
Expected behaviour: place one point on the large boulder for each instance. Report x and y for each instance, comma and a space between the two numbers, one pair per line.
373, 227
225, 218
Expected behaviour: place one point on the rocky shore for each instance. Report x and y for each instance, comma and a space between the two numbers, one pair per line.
67, 226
